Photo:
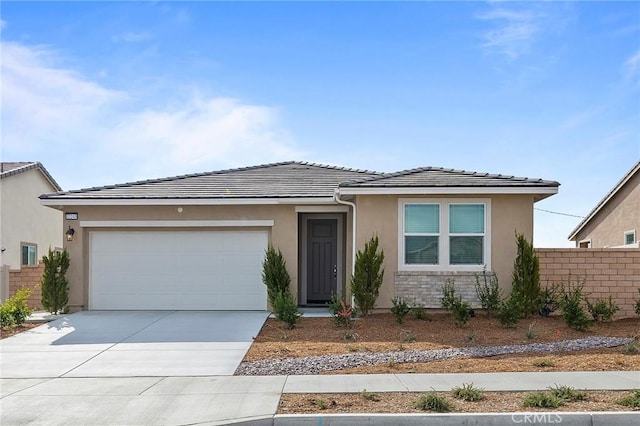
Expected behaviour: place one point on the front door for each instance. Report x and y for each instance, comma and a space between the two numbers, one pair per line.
322, 260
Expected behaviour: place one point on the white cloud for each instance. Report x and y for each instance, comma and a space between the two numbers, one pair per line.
3, 24
55, 114
632, 67
514, 31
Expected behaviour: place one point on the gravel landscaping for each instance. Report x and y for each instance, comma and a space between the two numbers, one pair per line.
323, 363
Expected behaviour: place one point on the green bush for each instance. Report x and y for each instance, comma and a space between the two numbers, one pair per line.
15, 311
637, 307
567, 393
341, 312
432, 402
573, 313
548, 300
419, 311
367, 277
467, 392
286, 309
460, 309
510, 311
55, 287
542, 399
275, 275
526, 276
602, 310
488, 292
400, 309
631, 401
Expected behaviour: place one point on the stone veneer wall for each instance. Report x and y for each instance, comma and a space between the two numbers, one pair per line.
426, 287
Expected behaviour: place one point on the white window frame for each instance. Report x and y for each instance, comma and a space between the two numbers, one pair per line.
443, 242
35, 248
627, 233
588, 241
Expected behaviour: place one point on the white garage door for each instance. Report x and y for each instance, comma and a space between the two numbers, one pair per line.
190, 270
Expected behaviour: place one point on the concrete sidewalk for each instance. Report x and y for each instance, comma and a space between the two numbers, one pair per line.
254, 399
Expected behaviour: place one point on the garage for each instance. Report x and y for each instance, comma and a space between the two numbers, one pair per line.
177, 270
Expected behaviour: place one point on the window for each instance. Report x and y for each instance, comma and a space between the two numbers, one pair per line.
630, 237
444, 234
585, 244
29, 254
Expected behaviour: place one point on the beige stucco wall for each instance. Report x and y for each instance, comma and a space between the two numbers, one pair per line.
620, 214
283, 235
24, 219
378, 214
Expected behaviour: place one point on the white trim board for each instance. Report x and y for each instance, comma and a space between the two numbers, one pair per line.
471, 190
174, 223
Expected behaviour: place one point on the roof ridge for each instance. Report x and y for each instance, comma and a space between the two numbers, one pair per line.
415, 170
211, 173
30, 165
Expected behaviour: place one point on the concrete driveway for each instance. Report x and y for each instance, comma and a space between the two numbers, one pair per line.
132, 344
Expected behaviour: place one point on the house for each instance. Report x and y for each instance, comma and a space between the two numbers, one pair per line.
198, 241
27, 229
615, 220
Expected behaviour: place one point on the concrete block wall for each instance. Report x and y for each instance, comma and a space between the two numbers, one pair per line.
29, 277
614, 272
426, 287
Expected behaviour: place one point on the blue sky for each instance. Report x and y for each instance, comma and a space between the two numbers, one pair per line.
110, 92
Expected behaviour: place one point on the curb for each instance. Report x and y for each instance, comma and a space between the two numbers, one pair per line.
605, 418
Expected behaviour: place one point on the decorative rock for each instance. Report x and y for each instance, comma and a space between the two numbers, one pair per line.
318, 364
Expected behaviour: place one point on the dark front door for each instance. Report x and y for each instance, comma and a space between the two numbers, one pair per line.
322, 260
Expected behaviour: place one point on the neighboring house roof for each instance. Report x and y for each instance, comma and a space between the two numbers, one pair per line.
13, 168
631, 173
298, 180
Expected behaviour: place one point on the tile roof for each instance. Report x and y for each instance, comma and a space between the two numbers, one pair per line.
291, 179
13, 168
425, 177
632, 172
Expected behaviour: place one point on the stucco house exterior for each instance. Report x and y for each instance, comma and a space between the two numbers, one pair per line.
27, 228
197, 241
615, 220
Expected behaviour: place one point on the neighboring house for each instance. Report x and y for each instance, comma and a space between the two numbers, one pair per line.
615, 220
198, 241
27, 229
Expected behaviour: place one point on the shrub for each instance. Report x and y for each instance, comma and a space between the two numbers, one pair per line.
631, 348
460, 309
400, 309
488, 292
548, 300
637, 307
510, 312
631, 401
602, 310
275, 275
467, 392
369, 396
573, 313
531, 331
432, 402
542, 399
55, 287
567, 393
367, 277
286, 309
419, 312
343, 315
526, 276
544, 362
15, 311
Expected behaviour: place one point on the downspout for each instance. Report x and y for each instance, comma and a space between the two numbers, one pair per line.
336, 197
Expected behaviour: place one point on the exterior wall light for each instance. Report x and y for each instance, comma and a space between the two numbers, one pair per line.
70, 233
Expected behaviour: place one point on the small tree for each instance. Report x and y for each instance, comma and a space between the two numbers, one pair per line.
275, 275
55, 287
367, 277
526, 277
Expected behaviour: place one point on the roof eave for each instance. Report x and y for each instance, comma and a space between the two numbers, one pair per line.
543, 192
59, 202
